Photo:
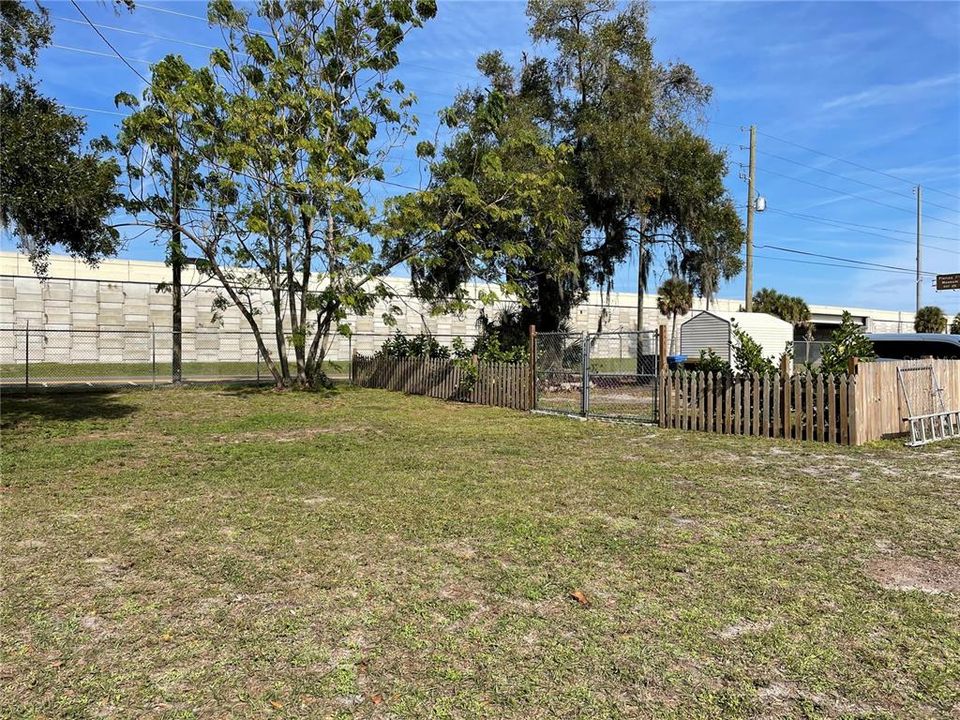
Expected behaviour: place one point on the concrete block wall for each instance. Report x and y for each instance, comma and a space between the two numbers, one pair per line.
123, 295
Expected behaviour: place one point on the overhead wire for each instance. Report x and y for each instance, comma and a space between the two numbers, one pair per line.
850, 162
852, 261
855, 197
827, 223
109, 44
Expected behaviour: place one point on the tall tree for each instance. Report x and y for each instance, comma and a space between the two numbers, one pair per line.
276, 143
955, 325
639, 174
500, 208
674, 297
54, 191
930, 319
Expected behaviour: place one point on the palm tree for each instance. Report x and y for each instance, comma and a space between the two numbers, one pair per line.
674, 297
930, 319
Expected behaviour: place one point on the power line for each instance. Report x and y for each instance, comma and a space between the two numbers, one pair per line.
855, 197
837, 175
861, 225
852, 261
828, 264
108, 43
94, 110
138, 32
154, 8
830, 223
405, 63
84, 51
834, 190
850, 162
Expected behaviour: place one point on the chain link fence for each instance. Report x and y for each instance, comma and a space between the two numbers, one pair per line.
611, 374
45, 357
622, 372
560, 373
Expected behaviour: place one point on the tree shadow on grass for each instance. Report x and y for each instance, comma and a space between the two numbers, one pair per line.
18, 409
248, 390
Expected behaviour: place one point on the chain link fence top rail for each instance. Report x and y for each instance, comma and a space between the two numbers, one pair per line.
44, 356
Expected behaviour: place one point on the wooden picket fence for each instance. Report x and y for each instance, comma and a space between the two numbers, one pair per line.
489, 383
798, 407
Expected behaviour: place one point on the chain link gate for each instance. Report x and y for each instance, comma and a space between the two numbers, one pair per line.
606, 375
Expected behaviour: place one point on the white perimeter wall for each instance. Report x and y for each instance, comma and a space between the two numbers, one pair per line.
122, 295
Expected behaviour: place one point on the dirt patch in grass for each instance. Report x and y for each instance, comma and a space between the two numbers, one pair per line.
744, 627
912, 573
290, 435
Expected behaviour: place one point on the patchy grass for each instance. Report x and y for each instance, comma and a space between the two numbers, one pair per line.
217, 553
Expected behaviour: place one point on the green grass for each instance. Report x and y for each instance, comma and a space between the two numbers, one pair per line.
144, 371
203, 552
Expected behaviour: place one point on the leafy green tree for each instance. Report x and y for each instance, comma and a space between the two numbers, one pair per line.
674, 297
497, 207
262, 161
955, 325
54, 192
604, 125
930, 319
848, 341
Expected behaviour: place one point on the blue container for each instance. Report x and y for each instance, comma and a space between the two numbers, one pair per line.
675, 361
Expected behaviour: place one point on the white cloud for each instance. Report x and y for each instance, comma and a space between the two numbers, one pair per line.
886, 94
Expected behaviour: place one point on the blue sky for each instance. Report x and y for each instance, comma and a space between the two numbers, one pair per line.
876, 84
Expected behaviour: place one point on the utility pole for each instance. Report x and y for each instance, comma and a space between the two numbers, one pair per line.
919, 247
176, 260
748, 300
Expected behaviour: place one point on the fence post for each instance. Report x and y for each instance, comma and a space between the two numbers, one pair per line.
153, 354
584, 375
532, 390
26, 372
258, 366
662, 348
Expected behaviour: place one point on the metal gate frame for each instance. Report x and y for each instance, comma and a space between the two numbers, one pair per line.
565, 375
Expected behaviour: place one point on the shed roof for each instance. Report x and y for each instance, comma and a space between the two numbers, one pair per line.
747, 320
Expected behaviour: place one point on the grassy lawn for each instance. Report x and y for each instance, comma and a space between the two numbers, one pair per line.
241, 553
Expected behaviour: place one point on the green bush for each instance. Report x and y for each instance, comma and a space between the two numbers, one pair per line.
710, 362
748, 355
848, 341
419, 346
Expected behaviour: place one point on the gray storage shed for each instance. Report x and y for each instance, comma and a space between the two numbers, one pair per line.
714, 331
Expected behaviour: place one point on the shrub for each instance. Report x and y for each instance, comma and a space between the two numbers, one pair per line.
710, 362
848, 341
419, 346
748, 355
